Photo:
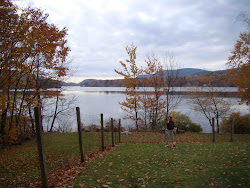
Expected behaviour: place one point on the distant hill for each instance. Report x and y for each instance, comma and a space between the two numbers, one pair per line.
189, 71
181, 72
84, 82
69, 84
187, 76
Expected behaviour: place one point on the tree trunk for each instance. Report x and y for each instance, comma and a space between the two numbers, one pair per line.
21, 105
32, 121
55, 114
3, 121
218, 126
14, 104
5, 106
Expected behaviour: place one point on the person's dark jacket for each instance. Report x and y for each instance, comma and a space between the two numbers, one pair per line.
170, 125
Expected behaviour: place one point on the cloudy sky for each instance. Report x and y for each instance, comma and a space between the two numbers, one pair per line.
200, 33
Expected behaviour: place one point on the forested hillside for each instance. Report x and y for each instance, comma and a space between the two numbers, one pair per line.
187, 77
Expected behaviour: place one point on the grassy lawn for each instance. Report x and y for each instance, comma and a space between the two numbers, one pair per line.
188, 137
153, 165
19, 165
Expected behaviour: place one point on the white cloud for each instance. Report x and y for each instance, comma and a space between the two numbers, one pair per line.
200, 33
145, 17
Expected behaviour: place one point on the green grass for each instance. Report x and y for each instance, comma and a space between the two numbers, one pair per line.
188, 137
19, 165
153, 165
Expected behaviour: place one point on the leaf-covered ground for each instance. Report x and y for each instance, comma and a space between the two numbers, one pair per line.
19, 165
188, 137
153, 165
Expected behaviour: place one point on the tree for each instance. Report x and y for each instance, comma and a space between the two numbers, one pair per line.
63, 108
162, 100
33, 53
154, 102
11, 34
145, 102
206, 101
171, 75
239, 62
130, 72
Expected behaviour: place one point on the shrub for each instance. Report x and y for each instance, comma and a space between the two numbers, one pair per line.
183, 122
107, 128
241, 124
10, 136
194, 127
93, 128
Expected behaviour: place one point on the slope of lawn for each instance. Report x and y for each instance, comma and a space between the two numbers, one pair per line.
153, 165
19, 165
188, 137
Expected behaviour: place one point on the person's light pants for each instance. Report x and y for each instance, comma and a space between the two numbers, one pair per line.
172, 135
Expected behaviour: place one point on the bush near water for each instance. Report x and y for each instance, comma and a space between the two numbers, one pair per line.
241, 124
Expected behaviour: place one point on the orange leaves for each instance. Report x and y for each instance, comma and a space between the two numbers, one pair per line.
154, 103
239, 64
10, 136
131, 103
240, 54
29, 40
149, 106
33, 54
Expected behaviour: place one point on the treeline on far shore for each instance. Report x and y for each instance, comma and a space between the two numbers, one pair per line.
216, 79
233, 94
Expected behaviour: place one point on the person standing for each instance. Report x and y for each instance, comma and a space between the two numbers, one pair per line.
170, 132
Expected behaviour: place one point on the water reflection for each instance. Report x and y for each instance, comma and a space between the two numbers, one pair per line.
94, 101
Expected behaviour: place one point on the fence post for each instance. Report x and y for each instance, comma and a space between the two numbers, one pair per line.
119, 131
79, 132
232, 129
102, 133
213, 130
112, 132
39, 138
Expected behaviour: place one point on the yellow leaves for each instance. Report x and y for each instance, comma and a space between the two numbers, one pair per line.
10, 136
239, 64
32, 51
131, 103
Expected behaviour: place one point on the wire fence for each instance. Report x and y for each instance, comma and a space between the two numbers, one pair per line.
58, 153
93, 135
103, 132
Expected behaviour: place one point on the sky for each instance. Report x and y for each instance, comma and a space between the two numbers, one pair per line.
199, 33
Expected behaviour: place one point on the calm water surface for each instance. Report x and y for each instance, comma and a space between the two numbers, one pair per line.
96, 100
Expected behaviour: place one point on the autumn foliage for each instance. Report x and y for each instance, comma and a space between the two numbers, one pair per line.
208, 102
130, 72
156, 80
33, 52
239, 64
147, 109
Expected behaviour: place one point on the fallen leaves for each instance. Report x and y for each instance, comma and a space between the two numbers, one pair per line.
152, 162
